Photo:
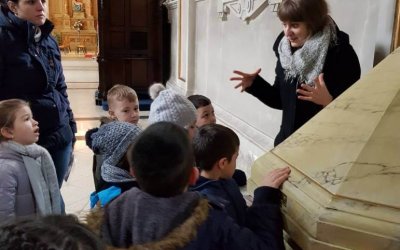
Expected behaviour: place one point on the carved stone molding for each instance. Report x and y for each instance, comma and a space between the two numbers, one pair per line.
171, 5
244, 9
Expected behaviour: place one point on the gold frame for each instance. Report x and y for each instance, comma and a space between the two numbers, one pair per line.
396, 28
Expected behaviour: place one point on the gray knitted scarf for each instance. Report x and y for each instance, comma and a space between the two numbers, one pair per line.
308, 61
42, 175
112, 173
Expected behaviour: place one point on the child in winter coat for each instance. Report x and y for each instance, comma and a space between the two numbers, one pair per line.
123, 106
205, 115
112, 141
28, 181
216, 149
170, 106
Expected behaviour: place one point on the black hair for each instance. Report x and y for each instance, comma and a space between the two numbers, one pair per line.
162, 159
213, 142
49, 232
199, 101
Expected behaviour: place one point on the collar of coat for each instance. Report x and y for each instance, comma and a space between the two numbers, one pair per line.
176, 239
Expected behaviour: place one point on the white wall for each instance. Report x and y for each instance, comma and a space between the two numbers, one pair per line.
213, 48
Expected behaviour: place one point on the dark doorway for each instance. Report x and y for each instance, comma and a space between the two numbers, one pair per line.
134, 39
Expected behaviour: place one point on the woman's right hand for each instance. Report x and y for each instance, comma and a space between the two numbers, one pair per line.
246, 79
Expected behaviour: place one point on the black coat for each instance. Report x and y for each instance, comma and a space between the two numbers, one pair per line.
32, 71
341, 70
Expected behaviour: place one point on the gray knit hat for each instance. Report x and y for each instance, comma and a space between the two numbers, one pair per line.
169, 106
112, 141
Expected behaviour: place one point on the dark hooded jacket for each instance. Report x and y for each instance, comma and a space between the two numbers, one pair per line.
137, 220
227, 192
341, 70
32, 71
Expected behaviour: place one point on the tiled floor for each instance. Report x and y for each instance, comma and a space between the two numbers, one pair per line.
77, 189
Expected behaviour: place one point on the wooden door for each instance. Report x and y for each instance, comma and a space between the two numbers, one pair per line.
131, 43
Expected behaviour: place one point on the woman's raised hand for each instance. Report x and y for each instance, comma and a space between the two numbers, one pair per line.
319, 94
246, 79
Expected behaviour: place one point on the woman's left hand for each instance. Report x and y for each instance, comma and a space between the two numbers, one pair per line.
318, 94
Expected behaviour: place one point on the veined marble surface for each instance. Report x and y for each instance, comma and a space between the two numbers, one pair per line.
344, 190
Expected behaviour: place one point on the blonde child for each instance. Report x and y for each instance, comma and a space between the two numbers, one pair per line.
123, 106
28, 181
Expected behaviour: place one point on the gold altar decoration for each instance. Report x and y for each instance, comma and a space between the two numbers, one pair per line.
67, 13
343, 192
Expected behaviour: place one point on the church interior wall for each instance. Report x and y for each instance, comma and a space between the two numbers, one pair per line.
208, 48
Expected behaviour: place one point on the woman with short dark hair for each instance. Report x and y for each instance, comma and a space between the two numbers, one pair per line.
316, 63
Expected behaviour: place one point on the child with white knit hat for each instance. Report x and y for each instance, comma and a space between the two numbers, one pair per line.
170, 106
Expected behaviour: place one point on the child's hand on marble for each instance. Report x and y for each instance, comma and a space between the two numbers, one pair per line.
276, 177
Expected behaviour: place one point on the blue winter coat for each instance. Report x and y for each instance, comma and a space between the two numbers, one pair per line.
32, 71
227, 193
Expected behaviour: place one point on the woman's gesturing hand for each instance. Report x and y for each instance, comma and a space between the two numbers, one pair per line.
246, 79
318, 94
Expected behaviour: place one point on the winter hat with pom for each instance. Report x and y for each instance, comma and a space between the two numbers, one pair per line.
169, 106
112, 141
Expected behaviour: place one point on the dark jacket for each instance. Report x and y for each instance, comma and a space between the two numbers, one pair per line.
187, 221
32, 71
341, 70
227, 192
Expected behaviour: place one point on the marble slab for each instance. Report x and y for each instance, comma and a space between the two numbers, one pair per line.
344, 190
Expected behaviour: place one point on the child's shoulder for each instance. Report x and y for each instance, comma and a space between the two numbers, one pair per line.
88, 136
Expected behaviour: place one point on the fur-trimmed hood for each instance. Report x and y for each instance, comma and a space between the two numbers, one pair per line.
173, 225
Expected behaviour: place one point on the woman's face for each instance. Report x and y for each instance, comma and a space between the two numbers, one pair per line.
296, 32
30, 10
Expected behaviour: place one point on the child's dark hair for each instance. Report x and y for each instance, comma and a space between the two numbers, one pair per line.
213, 142
199, 101
49, 232
8, 110
162, 159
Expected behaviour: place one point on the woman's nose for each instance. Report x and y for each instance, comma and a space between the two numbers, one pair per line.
287, 30
40, 5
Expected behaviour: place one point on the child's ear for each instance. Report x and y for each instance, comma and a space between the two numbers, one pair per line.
111, 113
12, 6
194, 175
222, 163
7, 133
132, 172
